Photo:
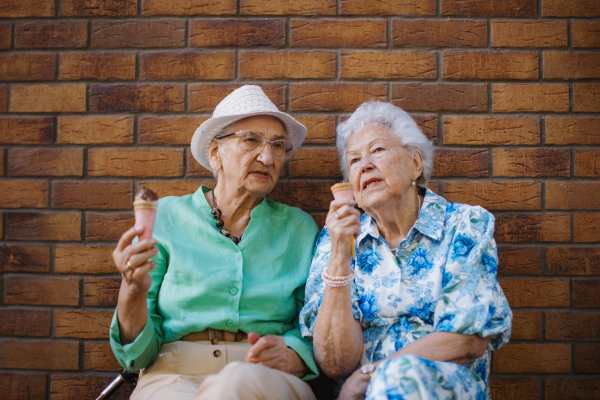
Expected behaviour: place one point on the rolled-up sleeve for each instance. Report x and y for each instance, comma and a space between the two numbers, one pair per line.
472, 300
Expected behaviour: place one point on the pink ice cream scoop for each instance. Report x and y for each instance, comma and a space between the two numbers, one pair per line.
144, 208
344, 191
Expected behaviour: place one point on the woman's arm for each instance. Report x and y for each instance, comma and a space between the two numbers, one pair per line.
338, 339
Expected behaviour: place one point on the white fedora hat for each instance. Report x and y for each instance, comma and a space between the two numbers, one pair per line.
247, 101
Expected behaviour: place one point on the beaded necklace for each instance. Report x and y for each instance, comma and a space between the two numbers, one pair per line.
216, 213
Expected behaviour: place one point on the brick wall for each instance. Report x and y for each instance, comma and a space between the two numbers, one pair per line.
99, 97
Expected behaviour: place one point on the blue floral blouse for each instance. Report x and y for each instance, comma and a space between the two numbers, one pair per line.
441, 278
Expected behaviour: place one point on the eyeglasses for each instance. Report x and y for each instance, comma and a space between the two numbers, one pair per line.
251, 141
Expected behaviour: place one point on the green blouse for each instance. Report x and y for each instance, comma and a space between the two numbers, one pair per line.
202, 279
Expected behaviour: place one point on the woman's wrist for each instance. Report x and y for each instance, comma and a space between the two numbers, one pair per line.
295, 365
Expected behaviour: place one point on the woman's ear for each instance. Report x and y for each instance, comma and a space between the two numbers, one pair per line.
213, 155
417, 164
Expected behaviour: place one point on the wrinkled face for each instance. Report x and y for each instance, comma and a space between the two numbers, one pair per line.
254, 171
380, 168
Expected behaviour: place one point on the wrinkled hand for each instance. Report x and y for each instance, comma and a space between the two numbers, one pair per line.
355, 387
136, 277
270, 351
343, 222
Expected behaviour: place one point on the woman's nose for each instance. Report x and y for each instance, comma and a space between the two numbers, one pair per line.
266, 154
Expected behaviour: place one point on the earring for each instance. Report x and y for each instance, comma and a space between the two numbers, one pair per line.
414, 183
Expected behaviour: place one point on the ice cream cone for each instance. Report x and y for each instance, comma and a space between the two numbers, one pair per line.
144, 209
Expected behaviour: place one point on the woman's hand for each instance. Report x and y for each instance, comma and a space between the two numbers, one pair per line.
343, 222
271, 351
355, 387
132, 261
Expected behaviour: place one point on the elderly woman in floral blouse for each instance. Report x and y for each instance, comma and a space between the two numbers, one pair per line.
415, 313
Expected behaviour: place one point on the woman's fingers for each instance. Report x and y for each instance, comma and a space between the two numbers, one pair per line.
128, 237
142, 258
138, 275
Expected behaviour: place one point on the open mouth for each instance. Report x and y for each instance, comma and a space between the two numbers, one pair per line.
260, 174
369, 183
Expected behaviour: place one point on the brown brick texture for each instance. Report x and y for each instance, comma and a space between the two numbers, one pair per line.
100, 97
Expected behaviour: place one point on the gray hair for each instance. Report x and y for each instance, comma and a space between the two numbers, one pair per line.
398, 122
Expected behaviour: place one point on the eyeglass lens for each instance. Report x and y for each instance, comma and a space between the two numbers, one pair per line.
252, 140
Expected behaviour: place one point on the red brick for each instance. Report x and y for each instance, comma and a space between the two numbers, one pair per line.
3, 99
572, 389
572, 326
388, 64
438, 33
82, 324
532, 162
440, 97
586, 293
204, 97
135, 162
237, 32
49, 35
533, 358
531, 33
283, 7
137, 98
189, 65
567, 130
99, 357
84, 260
41, 291
490, 8
571, 65
311, 163
526, 325
572, 261
45, 162
586, 34
97, 66
496, 195
94, 8
78, 386
307, 195
23, 194
43, 226
586, 227
175, 188
188, 7
138, 33
395, 7
1, 227
586, 97
334, 96
5, 36
533, 228
101, 292
23, 386
492, 130
467, 163
490, 65
519, 260
428, 125
321, 128
48, 98
511, 97
573, 8
27, 130
515, 388
95, 130
168, 130
107, 227
43, 355
194, 169
28, 8
20, 322
92, 195
587, 358
27, 67
338, 33
536, 292
287, 64
572, 195
24, 259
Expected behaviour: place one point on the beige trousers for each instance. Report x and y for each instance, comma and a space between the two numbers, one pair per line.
203, 371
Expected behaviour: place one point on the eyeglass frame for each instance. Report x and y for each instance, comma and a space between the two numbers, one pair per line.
265, 141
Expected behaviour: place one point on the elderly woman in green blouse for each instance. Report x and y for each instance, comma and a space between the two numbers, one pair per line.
208, 308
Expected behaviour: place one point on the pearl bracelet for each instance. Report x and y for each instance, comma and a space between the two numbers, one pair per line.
337, 281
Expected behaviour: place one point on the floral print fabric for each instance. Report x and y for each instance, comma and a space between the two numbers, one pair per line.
442, 277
